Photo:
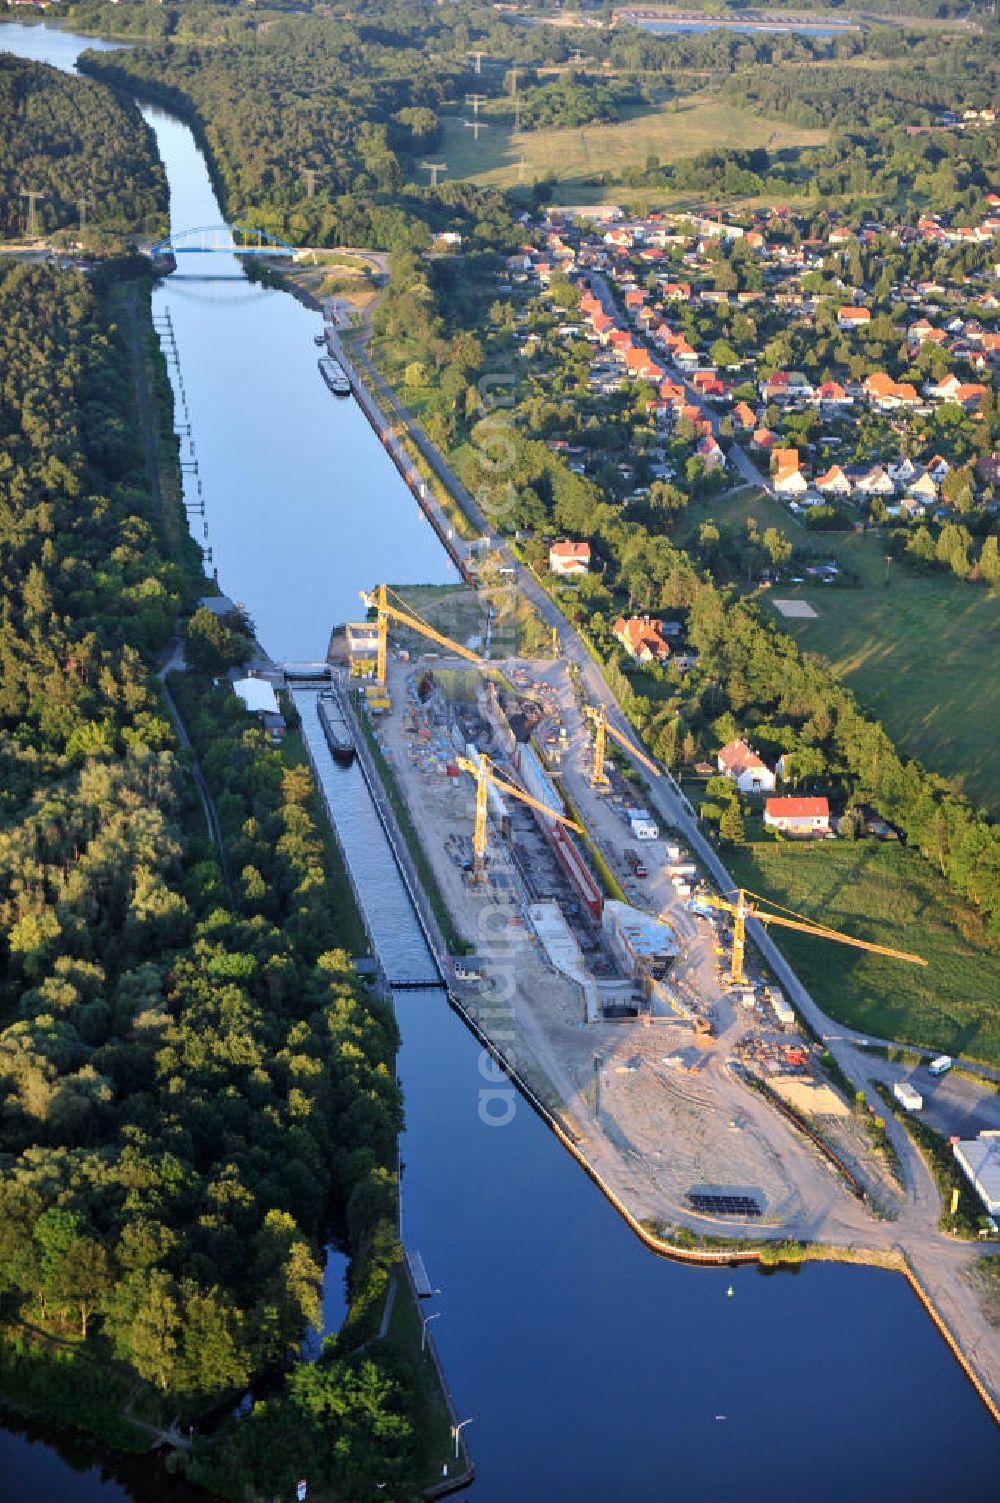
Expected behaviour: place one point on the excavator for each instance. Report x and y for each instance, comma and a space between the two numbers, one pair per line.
787, 918
404, 614
484, 775
598, 715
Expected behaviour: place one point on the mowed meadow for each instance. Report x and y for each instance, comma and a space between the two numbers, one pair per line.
688, 125
888, 895
922, 654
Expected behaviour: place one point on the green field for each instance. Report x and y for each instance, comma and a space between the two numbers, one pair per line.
889, 895
691, 124
923, 655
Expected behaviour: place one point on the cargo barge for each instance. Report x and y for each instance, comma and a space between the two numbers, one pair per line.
335, 728
333, 375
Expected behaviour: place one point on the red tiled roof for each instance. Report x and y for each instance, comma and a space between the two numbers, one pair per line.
797, 808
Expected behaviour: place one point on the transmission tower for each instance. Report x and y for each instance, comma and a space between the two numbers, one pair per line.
83, 204
479, 62
517, 102
475, 100
434, 168
32, 195
309, 173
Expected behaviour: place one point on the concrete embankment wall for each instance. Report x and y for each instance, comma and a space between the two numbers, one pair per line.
397, 843
383, 428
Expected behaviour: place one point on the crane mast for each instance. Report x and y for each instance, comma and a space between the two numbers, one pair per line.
602, 730
742, 910
378, 600
482, 772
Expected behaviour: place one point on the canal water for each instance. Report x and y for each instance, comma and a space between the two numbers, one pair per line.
590, 1369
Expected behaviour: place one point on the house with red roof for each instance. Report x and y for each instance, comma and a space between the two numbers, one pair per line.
741, 765
853, 318
642, 638
885, 393
798, 816
834, 482
569, 559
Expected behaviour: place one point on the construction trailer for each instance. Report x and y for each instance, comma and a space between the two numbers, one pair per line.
908, 1096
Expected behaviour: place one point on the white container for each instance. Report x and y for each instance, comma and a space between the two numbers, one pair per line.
907, 1096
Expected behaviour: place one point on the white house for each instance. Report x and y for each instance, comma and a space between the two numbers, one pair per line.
834, 482
569, 558
741, 764
789, 483
798, 816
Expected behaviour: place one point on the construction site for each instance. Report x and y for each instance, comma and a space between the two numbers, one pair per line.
594, 951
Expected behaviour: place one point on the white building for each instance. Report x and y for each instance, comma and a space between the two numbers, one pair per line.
741, 764
980, 1161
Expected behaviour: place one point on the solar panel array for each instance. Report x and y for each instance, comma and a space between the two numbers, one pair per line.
724, 1205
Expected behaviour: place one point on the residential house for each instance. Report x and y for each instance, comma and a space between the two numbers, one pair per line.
885, 393
798, 816
834, 482
788, 477
569, 559
741, 764
924, 487
642, 638
710, 453
744, 416
853, 318
832, 394
874, 482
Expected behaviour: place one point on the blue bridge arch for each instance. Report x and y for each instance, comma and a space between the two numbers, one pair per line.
222, 239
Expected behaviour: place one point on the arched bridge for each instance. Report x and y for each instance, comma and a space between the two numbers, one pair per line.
225, 239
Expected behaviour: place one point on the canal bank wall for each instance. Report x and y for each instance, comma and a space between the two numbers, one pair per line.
411, 477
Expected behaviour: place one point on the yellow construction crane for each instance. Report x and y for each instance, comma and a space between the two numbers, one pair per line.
378, 600
742, 910
484, 775
602, 730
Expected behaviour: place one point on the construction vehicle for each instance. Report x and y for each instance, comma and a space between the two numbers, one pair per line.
484, 775
742, 910
598, 715
378, 601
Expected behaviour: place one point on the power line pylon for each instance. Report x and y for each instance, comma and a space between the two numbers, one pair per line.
435, 169
32, 195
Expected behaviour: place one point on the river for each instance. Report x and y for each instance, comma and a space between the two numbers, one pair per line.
590, 1369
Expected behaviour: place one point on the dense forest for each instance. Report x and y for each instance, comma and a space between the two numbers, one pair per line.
192, 1082
85, 153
